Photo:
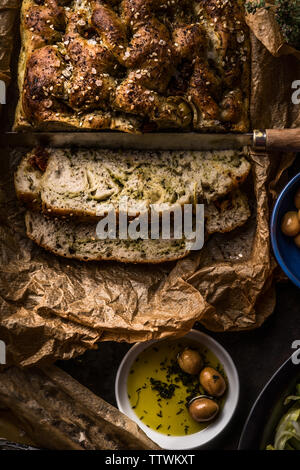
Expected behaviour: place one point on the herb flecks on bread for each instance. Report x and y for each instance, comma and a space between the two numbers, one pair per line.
76, 240
67, 190
86, 182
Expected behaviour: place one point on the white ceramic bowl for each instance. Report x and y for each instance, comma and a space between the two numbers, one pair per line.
191, 441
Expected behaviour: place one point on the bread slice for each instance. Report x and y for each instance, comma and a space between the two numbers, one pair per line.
86, 183
227, 213
78, 240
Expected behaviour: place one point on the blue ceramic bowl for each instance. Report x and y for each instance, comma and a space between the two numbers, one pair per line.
285, 250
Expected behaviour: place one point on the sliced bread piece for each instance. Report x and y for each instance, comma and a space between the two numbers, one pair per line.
227, 214
79, 241
87, 182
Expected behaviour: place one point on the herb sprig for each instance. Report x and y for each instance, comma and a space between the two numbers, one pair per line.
164, 389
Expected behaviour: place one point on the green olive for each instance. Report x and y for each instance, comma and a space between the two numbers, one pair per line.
297, 240
290, 224
212, 382
190, 361
184, 112
203, 409
297, 199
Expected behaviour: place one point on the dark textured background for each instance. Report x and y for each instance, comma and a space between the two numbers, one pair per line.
257, 355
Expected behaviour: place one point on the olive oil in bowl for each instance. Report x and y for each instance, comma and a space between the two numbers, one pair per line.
159, 391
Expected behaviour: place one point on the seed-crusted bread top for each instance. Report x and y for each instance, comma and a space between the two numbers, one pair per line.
134, 65
89, 182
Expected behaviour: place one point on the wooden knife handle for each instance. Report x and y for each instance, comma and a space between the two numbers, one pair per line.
277, 139
283, 139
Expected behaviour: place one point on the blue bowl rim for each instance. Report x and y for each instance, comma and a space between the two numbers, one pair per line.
273, 229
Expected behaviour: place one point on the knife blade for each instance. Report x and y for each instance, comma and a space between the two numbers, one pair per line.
119, 140
265, 140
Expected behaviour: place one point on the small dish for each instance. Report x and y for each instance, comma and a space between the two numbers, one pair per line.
285, 250
198, 439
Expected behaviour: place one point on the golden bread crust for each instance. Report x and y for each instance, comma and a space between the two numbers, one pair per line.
134, 65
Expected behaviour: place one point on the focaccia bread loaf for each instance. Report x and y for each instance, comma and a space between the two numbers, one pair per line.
88, 183
134, 65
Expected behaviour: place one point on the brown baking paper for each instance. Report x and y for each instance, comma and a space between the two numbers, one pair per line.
265, 27
52, 308
8, 12
59, 413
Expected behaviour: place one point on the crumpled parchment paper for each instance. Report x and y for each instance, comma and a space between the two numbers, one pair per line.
57, 412
265, 27
52, 308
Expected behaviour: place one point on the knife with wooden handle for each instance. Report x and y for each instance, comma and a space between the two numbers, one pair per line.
260, 141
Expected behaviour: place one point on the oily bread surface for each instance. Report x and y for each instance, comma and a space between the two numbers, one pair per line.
134, 65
